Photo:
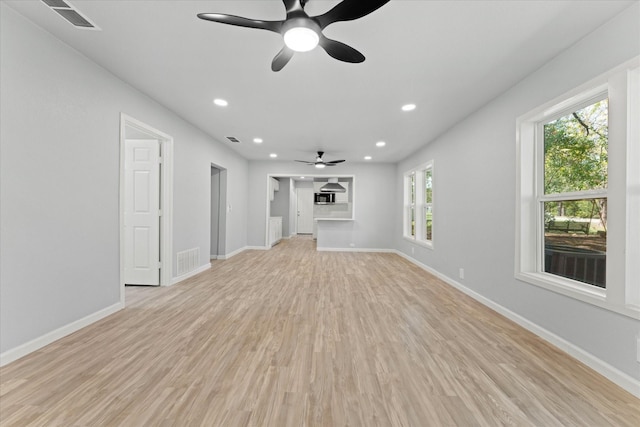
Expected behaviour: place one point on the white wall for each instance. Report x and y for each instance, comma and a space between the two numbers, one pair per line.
59, 182
474, 193
373, 193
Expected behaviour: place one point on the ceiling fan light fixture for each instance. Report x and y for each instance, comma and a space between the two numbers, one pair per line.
320, 165
301, 39
302, 32
220, 102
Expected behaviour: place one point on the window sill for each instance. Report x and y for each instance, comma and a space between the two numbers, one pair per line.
422, 243
575, 290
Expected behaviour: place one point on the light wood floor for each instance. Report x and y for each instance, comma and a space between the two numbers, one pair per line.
292, 337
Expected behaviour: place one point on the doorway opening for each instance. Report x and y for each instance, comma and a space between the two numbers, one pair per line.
218, 212
132, 129
292, 208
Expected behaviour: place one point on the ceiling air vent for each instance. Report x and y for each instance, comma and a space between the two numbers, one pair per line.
56, 3
71, 14
233, 139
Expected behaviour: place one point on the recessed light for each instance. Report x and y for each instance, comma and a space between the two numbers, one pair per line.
273, 155
302, 177
409, 107
220, 102
257, 140
367, 157
380, 144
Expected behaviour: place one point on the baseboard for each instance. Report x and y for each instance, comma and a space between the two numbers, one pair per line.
392, 251
46, 339
212, 257
192, 273
625, 381
239, 251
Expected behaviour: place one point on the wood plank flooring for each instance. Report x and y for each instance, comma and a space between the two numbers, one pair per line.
294, 337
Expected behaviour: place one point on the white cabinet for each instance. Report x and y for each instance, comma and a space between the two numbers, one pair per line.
275, 230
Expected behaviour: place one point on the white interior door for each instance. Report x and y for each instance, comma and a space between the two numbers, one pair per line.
305, 210
142, 212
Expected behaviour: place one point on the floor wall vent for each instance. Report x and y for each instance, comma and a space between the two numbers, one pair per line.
71, 14
187, 261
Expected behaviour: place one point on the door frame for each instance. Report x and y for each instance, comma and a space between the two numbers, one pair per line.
166, 197
222, 213
292, 176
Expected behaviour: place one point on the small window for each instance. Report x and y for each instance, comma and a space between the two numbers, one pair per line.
418, 215
427, 207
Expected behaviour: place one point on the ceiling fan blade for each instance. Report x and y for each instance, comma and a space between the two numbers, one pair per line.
239, 21
340, 51
334, 162
349, 10
304, 161
281, 59
329, 164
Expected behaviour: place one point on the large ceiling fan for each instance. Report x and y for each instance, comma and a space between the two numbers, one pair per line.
319, 163
302, 32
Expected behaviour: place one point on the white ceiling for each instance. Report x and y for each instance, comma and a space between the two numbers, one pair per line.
448, 57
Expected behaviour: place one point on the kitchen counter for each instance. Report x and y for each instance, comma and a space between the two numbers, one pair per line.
332, 212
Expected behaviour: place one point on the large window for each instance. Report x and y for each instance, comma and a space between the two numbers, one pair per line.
574, 193
418, 204
578, 198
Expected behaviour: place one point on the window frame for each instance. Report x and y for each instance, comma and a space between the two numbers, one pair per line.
420, 206
622, 293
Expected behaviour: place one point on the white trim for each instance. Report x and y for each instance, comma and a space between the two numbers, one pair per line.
192, 273
622, 294
390, 251
292, 178
250, 248
625, 381
46, 339
419, 206
239, 251
424, 243
166, 197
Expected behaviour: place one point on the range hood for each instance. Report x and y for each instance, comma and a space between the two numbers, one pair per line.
333, 187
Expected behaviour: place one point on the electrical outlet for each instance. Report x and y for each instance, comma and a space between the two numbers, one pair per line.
461, 273
413, 250
638, 350
353, 245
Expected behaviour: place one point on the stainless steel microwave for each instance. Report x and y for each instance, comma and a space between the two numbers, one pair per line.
324, 198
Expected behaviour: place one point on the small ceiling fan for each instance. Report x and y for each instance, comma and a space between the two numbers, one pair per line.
302, 32
319, 163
